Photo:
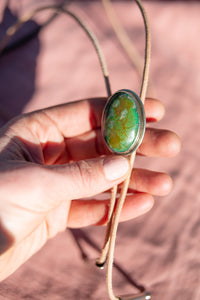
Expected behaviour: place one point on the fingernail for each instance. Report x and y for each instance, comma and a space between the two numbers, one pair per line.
115, 167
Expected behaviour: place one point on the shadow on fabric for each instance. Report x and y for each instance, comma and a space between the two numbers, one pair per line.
17, 67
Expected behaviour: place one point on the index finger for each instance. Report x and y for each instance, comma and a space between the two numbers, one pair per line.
76, 118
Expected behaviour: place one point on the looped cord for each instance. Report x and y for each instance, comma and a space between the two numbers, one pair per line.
113, 218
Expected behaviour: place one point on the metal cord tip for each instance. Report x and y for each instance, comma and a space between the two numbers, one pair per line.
100, 265
142, 296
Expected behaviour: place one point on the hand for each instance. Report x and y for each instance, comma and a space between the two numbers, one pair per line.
50, 160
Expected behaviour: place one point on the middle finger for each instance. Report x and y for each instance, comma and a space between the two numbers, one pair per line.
156, 143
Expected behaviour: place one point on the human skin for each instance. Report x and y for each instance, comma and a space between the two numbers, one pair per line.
53, 163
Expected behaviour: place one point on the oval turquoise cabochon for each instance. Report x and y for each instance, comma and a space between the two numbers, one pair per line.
123, 122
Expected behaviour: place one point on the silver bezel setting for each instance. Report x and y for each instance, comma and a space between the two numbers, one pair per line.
142, 121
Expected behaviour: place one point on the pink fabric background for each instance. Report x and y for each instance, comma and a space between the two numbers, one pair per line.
161, 250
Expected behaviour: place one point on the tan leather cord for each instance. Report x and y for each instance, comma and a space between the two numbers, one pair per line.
129, 48
113, 222
113, 218
137, 62
126, 43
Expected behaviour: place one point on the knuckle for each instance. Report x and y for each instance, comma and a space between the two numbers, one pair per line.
84, 174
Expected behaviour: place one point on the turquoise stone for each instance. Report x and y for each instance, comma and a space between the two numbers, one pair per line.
123, 122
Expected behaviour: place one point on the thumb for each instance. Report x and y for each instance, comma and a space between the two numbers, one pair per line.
86, 178
40, 189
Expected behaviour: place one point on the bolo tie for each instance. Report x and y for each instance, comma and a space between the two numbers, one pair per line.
123, 128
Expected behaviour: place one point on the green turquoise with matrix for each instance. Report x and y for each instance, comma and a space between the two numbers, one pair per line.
123, 122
